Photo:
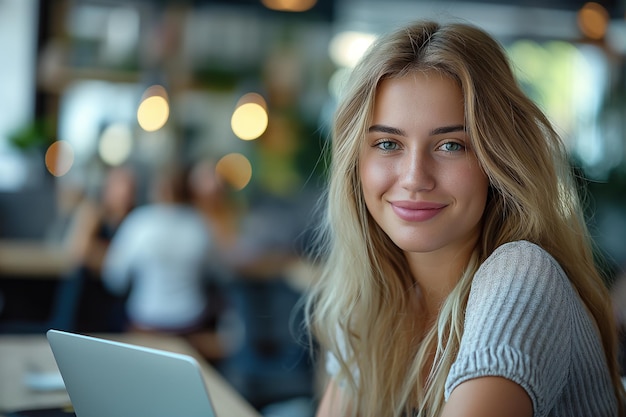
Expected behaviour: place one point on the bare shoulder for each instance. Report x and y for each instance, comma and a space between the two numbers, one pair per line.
332, 403
488, 397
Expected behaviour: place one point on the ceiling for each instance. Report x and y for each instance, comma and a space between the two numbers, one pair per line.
327, 9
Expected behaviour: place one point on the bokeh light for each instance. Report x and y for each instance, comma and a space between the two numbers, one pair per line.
289, 5
593, 20
250, 119
347, 48
59, 158
236, 170
116, 144
154, 109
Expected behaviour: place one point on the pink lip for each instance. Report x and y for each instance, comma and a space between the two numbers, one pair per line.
413, 211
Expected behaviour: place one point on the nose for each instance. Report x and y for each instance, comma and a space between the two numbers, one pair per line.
417, 172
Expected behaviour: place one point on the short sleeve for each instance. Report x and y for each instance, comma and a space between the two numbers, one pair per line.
333, 368
517, 324
332, 364
118, 261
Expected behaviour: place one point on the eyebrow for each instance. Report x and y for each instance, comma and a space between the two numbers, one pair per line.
447, 129
399, 132
386, 129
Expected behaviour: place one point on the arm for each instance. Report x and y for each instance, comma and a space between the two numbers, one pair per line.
332, 402
82, 231
118, 261
517, 328
488, 397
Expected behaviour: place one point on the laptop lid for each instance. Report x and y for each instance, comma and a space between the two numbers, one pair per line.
106, 378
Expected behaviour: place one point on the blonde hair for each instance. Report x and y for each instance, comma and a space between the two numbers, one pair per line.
366, 291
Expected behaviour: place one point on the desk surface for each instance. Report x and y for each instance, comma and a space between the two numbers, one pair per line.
33, 258
21, 353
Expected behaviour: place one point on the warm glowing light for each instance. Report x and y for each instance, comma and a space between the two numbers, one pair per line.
346, 48
289, 5
593, 20
153, 113
116, 144
250, 118
236, 169
154, 109
59, 158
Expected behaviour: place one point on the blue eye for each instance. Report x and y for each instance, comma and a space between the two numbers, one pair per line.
452, 147
387, 145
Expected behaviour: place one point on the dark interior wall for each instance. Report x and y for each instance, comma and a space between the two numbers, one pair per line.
27, 214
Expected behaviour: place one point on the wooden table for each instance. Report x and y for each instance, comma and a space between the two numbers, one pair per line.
33, 259
21, 353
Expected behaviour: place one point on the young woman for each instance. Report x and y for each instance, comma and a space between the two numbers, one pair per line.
458, 274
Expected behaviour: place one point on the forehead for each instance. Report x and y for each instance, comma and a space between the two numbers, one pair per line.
417, 98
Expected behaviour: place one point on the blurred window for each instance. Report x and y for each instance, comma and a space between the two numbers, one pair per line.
570, 82
18, 43
89, 107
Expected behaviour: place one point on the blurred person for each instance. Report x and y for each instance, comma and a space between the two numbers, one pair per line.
84, 304
158, 261
459, 274
97, 219
222, 211
268, 360
215, 200
272, 369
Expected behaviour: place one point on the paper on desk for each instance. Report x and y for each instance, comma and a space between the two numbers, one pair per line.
44, 381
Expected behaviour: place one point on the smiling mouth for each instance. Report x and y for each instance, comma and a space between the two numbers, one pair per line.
417, 213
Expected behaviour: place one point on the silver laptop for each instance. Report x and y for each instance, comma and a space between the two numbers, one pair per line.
105, 378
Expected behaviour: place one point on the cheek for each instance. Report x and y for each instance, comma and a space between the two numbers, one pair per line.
375, 178
473, 185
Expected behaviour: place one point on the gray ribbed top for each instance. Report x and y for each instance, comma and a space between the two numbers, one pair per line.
525, 322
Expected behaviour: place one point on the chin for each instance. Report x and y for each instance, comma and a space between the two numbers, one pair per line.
417, 245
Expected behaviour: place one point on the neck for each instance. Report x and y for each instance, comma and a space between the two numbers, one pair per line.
437, 273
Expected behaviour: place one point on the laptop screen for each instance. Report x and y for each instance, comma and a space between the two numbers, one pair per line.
106, 378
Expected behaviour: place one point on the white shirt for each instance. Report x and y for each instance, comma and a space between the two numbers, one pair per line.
161, 253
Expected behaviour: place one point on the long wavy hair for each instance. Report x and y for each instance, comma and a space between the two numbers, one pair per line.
364, 308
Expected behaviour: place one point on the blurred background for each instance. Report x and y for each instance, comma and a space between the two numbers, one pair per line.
241, 93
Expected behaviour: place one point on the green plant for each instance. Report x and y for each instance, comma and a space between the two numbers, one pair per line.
37, 134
